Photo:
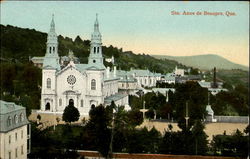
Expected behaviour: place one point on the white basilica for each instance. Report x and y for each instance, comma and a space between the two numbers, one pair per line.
85, 85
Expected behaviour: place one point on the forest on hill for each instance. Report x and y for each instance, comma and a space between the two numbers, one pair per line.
21, 81
18, 44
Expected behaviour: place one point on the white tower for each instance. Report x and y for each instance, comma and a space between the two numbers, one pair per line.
95, 56
50, 67
51, 58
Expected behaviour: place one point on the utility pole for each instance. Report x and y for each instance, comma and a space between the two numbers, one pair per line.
187, 117
112, 136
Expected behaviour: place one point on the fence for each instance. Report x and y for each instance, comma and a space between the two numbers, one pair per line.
232, 119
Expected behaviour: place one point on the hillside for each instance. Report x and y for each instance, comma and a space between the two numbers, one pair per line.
206, 62
19, 44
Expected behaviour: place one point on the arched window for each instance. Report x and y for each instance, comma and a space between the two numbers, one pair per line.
49, 49
48, 83
16, 119
53, 49
47, 106
97, 49
60, 102
21, 117
9, 121
93, 84
81, 103
94, 49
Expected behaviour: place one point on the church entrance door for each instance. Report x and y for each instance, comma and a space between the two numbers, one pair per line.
71, 102
47, 106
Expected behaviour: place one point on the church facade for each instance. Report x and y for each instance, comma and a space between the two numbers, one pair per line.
84, 85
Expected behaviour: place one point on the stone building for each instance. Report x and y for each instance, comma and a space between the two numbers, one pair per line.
14, 131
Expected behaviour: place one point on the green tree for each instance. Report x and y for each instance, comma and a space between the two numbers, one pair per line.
98, 129
200, 138
70, 113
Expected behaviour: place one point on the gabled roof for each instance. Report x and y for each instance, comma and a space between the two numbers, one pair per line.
95, 67
141, 72
81, 67
71, 66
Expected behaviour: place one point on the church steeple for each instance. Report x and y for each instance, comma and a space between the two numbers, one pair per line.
95, 56
51, 57
52, 24
96, 26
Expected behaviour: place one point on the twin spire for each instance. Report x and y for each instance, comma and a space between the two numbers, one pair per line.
96, 25
52, 24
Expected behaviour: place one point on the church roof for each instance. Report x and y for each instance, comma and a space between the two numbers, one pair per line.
81, 67
163, 90
114, 98
145, 73
50, 62
141, 72
205, 84
97, 66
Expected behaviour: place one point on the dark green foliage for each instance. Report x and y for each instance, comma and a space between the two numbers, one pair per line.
200, 138
231, 145
135, 118
247, 129
143, 141
185, 142
97, 127
20, 83
50, 144
196, 98
234, 102
70, 113
21, 43
164, 85
194, 71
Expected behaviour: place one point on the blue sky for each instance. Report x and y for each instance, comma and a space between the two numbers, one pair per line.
143, 27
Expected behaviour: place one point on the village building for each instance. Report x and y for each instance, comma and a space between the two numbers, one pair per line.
14, 131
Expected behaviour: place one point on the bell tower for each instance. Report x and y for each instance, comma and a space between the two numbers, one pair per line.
95, 56
51, 57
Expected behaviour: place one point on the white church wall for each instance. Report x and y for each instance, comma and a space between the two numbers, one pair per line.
79, 88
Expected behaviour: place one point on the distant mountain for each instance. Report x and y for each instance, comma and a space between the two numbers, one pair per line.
206, 62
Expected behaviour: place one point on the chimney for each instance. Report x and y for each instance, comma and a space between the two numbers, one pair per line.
214, 79
107, 71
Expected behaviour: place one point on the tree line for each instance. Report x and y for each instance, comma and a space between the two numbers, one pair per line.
112, 129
